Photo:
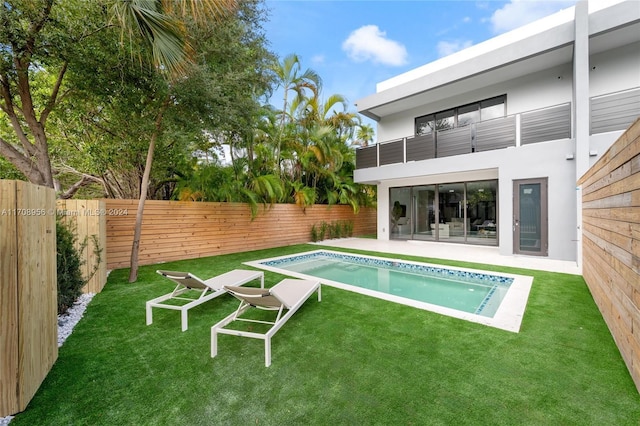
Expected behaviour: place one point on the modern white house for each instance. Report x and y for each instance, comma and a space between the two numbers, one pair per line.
485, 146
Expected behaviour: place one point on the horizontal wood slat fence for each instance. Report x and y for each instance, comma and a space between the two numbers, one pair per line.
611, 242
176, 230
28, 291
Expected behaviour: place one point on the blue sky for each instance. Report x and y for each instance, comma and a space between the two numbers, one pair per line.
354, 44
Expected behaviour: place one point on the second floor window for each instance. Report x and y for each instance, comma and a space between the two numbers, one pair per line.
462, 116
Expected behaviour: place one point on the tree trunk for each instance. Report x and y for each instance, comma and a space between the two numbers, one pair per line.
31, 157
144, 187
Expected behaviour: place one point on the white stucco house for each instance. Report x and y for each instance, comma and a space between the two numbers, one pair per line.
485, 146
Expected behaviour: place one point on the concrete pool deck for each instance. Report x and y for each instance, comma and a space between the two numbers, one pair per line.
462, 252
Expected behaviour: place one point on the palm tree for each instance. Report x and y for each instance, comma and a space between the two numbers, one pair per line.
290, 78
365, 135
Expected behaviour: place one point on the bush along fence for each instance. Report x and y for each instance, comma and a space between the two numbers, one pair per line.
87, 220
336, 229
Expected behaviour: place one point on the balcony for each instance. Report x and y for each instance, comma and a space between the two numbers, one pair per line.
529, 127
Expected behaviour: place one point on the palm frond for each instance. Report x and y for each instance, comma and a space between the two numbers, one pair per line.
199, 10
144, 19
159, 23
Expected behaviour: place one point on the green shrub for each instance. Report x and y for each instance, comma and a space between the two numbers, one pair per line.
335, 230
323, 230
348, 225
344, 229
70, 281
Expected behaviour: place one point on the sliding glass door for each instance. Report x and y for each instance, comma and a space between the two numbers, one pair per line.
400, 216
451, 208
424, 201
482, 220
464, 212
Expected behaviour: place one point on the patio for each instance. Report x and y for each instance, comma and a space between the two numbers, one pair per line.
459, 252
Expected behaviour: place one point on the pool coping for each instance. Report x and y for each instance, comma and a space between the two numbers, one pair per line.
508, 317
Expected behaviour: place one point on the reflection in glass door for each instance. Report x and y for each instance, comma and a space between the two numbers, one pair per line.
451, 212
530, 217
482, 218
401, 213
424, 201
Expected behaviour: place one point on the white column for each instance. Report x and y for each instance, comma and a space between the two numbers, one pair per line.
581, 108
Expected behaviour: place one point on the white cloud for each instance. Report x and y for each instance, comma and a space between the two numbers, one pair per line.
446, 48
517, 13
369, 43
318, 59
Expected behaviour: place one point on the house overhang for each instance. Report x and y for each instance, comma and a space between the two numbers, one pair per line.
541, 45
424, 176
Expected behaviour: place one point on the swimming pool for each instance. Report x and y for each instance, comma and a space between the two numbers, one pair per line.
493, 299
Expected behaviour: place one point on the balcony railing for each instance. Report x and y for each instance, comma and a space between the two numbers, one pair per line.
533, 126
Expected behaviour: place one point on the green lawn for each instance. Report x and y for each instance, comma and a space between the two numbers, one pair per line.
348, 360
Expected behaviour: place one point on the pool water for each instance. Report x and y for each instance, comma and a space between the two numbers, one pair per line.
477, 294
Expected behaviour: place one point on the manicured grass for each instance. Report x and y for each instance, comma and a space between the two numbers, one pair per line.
349, 359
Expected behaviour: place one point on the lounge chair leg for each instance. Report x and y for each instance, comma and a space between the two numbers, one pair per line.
149, 315
214, 343
267, 351
185, 321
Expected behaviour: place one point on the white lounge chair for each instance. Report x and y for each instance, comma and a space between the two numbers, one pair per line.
288, 294
209, 289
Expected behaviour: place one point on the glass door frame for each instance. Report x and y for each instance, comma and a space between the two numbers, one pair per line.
543, 220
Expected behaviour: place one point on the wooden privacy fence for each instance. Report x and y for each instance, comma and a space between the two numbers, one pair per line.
87, 220
611, 242
28, 291
174, 230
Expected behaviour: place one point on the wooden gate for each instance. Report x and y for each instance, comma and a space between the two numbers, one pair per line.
28, 291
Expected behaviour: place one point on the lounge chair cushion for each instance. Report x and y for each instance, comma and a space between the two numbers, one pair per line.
186, 279
249, 291
255, 296
291, 291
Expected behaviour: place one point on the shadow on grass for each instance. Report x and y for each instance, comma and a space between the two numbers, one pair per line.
350, 359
